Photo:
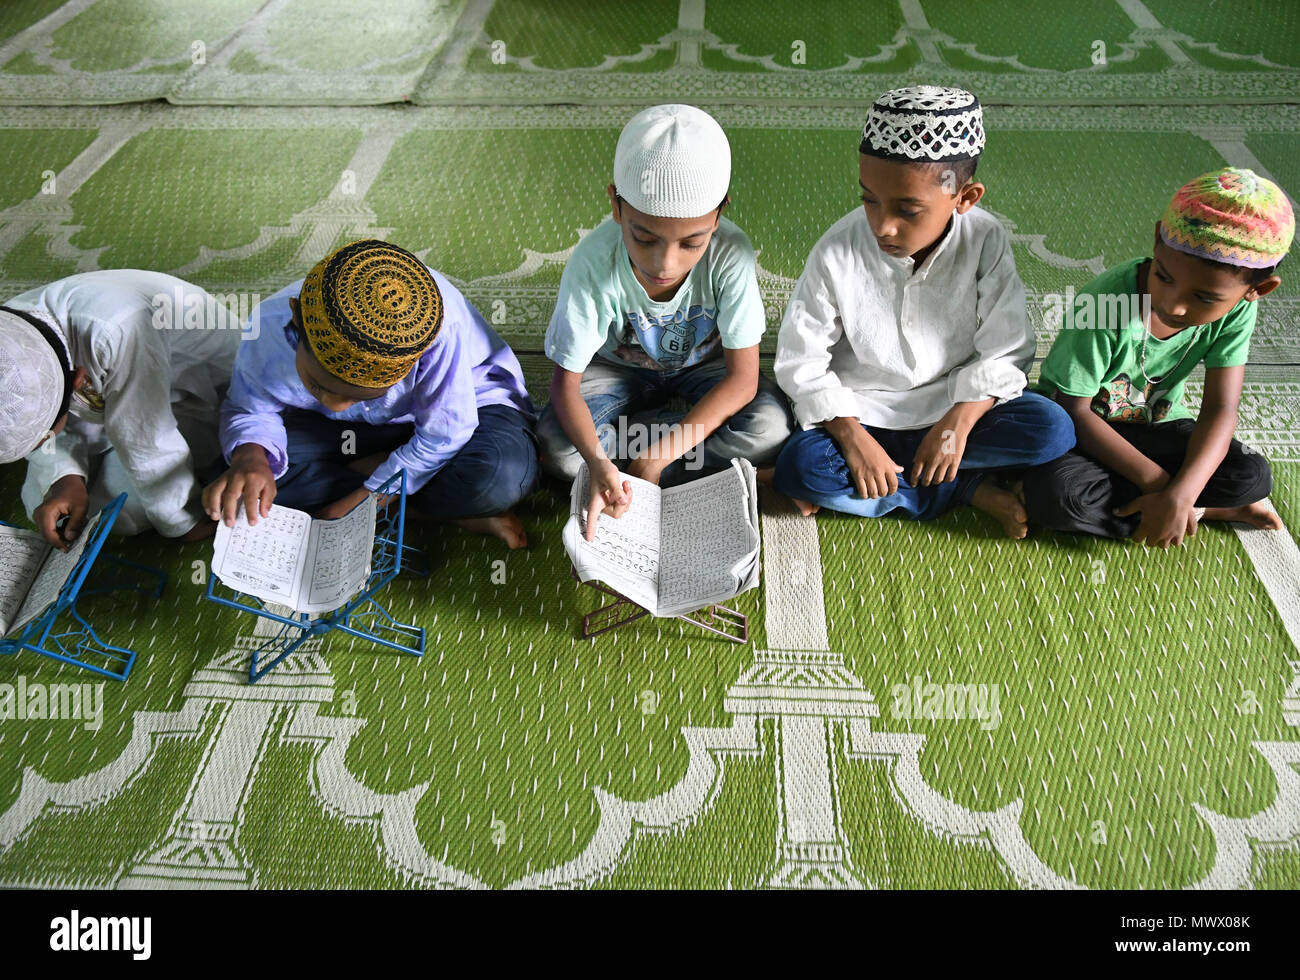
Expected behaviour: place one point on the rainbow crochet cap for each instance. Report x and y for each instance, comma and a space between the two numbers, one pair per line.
1232, 216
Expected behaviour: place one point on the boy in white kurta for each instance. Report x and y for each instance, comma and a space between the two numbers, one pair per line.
143, 359
905, 344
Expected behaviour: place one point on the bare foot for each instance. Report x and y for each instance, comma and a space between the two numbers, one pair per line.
1256, 515
1005, 505
805, 508
505, 526
764, 474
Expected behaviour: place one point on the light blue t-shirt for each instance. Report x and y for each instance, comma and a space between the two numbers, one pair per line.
603, 311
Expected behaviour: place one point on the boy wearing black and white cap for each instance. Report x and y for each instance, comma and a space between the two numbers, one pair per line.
660, 301
905, 344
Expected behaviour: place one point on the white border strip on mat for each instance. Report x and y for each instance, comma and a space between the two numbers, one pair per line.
1276, 560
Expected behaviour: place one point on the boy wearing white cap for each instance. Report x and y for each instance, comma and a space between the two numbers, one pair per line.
905, 344
660, 301
110, 382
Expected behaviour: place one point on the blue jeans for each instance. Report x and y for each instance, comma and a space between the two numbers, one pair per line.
1025, 431
493, 471
631, 399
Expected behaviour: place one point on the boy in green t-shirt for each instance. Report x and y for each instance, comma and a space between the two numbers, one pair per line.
1144, 466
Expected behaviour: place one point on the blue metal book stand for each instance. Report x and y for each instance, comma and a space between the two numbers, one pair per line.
77, 642
362, 617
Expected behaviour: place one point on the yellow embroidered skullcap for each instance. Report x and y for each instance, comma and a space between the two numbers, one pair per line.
369, 311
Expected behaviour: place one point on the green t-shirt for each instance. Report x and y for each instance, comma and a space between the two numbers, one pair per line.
1099, 351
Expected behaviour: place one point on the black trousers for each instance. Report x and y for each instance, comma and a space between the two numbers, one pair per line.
1076, 493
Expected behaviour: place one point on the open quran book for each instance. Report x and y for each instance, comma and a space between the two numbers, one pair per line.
33, 573
309, 565
675, 550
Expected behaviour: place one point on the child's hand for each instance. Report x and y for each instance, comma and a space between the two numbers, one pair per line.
1166, 519
874, 472
646, 469
939, 456
249, 478
609, 495
343, 505
66, 498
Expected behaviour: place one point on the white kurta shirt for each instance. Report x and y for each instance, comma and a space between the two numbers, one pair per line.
145, 376
871, 336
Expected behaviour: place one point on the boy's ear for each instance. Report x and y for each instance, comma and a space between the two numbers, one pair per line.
1263, 288
1157, 240
969, 196
614, 209
295, 308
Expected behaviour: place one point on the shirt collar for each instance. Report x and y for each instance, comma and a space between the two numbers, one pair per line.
905, 265
928, 265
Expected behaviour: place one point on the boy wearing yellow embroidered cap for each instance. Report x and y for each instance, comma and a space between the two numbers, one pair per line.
1145, 467
372, 364
660, 301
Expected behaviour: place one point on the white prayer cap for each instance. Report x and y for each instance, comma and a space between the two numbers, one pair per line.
925, 123
34, 383
672, 161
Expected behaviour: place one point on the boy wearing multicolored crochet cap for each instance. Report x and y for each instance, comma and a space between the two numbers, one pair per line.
372, 364
660, 301
1145, 467
905, 344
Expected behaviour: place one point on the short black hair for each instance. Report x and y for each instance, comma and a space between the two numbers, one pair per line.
726, 199
961, 170
1251, 277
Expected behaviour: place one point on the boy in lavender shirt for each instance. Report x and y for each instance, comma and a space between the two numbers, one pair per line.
372, 364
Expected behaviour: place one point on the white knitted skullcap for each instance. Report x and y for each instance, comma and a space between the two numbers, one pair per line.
32, 379
924, 122
672, 161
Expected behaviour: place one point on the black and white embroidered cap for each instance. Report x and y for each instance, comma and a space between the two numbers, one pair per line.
924, 123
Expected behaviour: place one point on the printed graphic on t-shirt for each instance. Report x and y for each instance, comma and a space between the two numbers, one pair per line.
1121, 401
667, 342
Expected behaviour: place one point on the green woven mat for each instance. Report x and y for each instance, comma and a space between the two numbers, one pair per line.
1107, 716
781, 52
503, 225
